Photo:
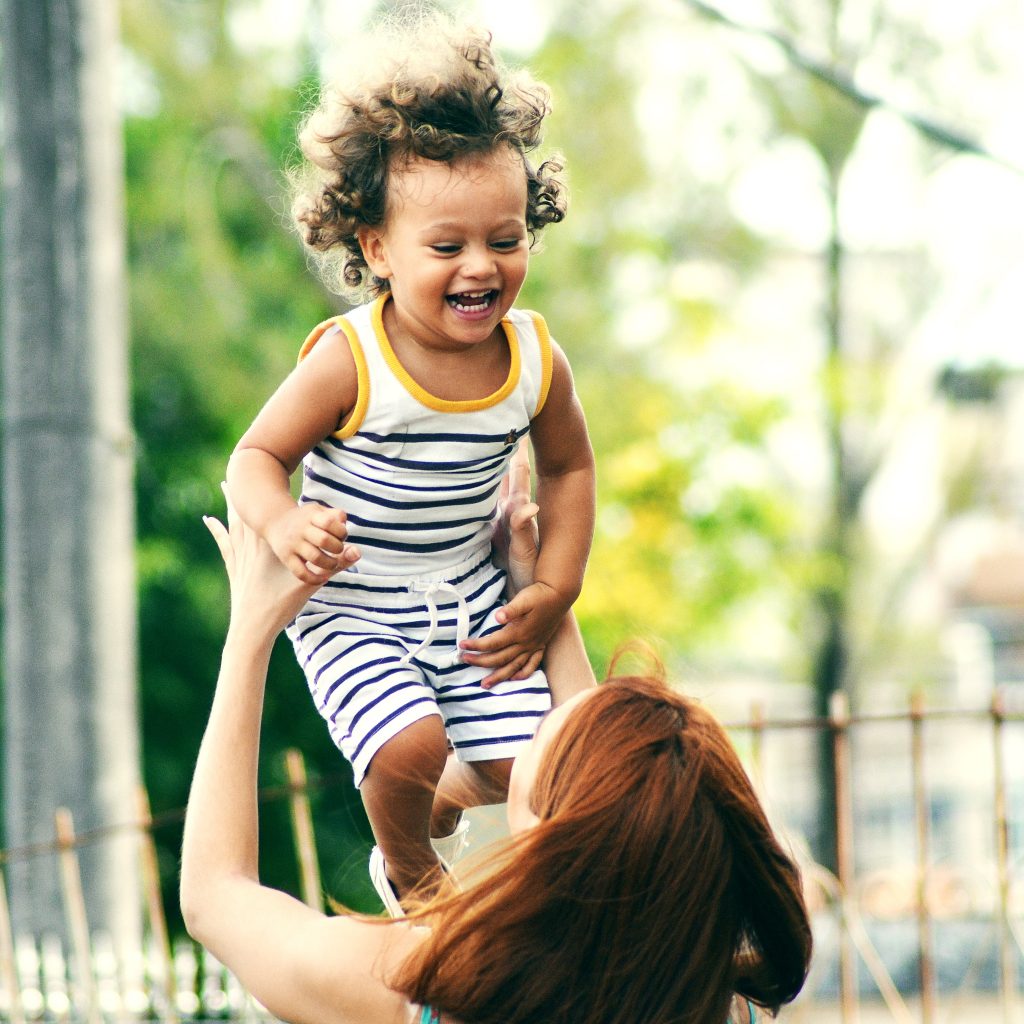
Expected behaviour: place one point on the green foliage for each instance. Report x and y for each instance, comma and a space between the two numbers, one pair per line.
220, 300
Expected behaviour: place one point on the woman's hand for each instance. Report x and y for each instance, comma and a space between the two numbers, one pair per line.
516, 539
264, 593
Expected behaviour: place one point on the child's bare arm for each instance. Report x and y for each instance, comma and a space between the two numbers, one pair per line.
306, 408
565, 493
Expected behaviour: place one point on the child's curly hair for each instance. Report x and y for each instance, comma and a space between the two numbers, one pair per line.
422, 89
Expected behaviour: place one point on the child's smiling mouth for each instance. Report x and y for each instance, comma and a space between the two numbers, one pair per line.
473, 303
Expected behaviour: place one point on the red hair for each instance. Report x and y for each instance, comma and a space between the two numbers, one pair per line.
652, 890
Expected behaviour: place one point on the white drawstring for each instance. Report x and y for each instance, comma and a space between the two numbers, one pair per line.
429, 591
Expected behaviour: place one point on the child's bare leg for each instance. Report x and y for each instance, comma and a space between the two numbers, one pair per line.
467, 784
398, 793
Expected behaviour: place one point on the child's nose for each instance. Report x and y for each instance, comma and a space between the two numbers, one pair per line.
480, 262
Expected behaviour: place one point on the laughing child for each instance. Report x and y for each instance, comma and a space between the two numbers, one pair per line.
419, 192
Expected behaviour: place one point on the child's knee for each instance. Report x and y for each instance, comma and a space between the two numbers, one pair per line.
414, 757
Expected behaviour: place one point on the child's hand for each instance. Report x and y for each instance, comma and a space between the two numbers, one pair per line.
264, 595
515, 651
310, 541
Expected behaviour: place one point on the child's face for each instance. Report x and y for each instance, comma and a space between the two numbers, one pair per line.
454, 247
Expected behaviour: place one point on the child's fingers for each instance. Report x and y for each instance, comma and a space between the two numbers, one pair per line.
512, 670
329, 542
298, 568
315, 559
332, 521
530, 666
496, 641
507, 651
519, 606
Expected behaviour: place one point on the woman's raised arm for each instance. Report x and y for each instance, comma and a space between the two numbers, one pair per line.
302, 965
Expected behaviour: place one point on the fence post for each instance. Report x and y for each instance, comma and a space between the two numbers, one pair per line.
757, 742
8, 963
155, 906
74, 908
302, 828
926, 960
839, 722
1007, 956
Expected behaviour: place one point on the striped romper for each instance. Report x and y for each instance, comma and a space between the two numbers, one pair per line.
418, 477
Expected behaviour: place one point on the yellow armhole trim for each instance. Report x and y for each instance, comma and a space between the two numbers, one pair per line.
355, 420
544, 339
444, 404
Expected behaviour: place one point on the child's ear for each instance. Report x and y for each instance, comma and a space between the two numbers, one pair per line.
371, 241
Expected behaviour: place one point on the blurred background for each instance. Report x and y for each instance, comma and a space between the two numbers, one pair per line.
789, 286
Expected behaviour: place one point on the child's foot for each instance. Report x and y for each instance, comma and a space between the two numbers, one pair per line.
450, 848
381, 882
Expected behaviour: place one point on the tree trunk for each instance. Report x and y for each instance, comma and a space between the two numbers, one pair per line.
70, 718
829, 671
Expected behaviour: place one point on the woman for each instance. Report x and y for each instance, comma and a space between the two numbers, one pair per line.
642, 883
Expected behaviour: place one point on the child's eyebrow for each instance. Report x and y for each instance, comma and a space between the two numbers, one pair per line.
454, 225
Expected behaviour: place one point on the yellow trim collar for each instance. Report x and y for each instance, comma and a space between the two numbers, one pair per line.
432, 401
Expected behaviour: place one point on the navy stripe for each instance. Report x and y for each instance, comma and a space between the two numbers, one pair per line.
450, 524
360, 668
405, 588
396, 485
483, 464
299, 637
344, 702
390, 718
390, 503
408, 624
498, 716
493, 741
363, 587
469, 438
403, 685
397, 545
368, 637
354, 647
360, 613
484, 694
341, 633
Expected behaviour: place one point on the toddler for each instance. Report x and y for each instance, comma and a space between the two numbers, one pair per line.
419, 192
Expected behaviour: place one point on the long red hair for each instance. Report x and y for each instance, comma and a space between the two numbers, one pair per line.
652, 890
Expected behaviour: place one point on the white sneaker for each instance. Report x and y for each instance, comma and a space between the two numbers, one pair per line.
451, 848
381, 882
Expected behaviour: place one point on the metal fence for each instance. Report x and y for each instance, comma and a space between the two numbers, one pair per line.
877, 959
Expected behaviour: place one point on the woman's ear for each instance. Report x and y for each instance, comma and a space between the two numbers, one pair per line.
371, 241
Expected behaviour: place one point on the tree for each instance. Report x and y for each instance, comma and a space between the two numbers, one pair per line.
71, 727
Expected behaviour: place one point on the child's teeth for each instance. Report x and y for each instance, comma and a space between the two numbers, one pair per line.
465, 303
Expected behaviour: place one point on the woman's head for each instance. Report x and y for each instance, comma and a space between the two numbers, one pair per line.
650, 888
419, 90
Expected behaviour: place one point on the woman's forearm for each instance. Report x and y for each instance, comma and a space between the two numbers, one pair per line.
566, 664
221, 824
